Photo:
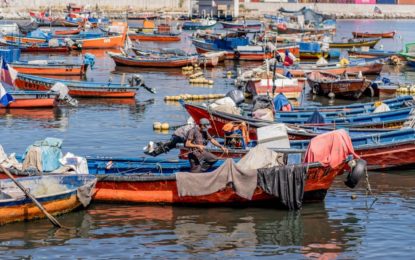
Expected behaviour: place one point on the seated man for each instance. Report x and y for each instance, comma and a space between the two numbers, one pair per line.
197, 139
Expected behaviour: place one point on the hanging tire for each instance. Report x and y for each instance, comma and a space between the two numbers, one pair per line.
237, 55
369, 91
357, 172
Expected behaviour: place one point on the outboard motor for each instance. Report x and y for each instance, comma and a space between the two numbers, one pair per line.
359, 168
237, 96
63, 92
137, 81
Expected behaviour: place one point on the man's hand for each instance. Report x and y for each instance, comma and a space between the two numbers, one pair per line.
224, 149
201, 148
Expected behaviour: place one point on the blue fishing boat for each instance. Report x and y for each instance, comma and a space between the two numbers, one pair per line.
225, 44
202, 24
83, 88
57, 193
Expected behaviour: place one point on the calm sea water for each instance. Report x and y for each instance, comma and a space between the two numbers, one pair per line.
339, 227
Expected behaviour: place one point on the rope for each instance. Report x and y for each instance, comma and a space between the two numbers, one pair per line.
369, 191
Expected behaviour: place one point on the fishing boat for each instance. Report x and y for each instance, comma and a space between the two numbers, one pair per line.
354, 43
67, 32
326, 84
261, 53
371, 67
201, 24
373, 35
152, 180
372, 53
149, 61
155, 37
381, 151
105, 42
283, 28
242, 25
79, 88
31, 99
58, 194
26, 28
50, 67
291, 88
392, 119
312, 50
149, 32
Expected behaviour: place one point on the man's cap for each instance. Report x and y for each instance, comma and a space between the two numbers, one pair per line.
204, 121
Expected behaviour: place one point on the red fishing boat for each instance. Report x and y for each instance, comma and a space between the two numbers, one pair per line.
77, 88
43, 67
291, 88
147, 61
367, 68
373, 35
31, 99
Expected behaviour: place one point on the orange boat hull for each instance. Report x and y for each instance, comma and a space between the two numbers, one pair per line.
51, 70
317, 183
75, 92
373, 35
32, 103
23, 39
155, 38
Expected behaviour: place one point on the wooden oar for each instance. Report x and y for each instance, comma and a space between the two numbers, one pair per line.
52, 219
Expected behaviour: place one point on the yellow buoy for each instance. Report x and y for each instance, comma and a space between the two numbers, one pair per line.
156, 125
165, 126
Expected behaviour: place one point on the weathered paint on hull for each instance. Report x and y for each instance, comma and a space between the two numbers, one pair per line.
103, 42
30, 211
155, 38
160, 64
78, 92
372, 69
373, 35
18, 39
341, 88
165, 191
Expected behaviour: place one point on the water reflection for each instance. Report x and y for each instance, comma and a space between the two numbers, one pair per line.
193, 231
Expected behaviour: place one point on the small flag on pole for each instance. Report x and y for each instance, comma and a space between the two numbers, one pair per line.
5, 98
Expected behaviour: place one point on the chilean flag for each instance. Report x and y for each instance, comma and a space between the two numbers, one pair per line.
7, 74
289, 58
5, 98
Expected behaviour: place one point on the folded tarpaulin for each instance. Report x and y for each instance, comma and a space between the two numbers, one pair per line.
242, 175
316, 118
285, 182
330, 149
51, 152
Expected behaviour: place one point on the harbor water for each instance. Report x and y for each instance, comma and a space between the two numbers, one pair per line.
376, 226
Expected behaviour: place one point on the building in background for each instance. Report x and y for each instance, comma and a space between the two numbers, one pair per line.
218, 8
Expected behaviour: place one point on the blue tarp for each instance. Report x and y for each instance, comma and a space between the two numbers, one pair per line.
316, 118
39, 34
231, 43
10, 54
280, 101
310, 47
51, 153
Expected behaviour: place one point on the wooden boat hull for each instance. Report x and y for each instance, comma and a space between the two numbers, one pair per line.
67, 32
20, 39
291, 92
345, 88
110, 42
56, 204
368, 69
218, 120
313, 55
154, 37
373, 35
166, 63
58, 70
164, 190
31, 99
340, 45
227, 25
102, 91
